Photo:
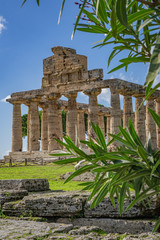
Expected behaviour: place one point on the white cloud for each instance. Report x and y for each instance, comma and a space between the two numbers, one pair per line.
4, 99
2, 24
83, 97
129, 77
105, 96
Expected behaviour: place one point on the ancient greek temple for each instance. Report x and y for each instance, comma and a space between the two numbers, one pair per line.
66, 74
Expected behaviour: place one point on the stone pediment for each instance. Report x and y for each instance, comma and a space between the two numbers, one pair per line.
65, 66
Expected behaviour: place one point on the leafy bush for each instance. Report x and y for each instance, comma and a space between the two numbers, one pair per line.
131, 169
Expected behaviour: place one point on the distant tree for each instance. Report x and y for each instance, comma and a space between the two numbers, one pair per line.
24, 125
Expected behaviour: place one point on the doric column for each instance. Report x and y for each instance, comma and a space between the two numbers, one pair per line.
115, 111
28, 128
71, 120
140, 118
108, 128
157, 128
44, 127
34, 135
16, 127
101, 122
60, 124
150, 124
92, 109
127, 110
81, 124
53, 122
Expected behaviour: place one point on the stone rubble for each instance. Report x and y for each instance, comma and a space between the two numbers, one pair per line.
12, 229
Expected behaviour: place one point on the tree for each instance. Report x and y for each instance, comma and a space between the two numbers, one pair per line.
132, 25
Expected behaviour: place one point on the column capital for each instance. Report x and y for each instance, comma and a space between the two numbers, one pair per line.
93, 91
28, 100
71, 94
139, 95
114, 89
15, 100
124, 93
43, 105
53, 96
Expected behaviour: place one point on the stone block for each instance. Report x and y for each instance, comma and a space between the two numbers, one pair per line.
106, 210
31, 185
66, 204
108, 225
96, 73
12, 195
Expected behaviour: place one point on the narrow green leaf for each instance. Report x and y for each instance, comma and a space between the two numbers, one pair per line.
155, 117
91, 17
78, 18
80, 171
122, 197
154, 63
121, 12
156, 226
60, 13
69, 160
23, 3
118, 67
135, 59
61, 154
142, 153
127, 137
134, 135
146, 22
150, 91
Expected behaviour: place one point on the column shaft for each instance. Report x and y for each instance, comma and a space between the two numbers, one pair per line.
101, 122
16, 128
53, 125
44, 129
92, 110
60, 124
28, 129
139, 119
115, 112
81, 125
127, 110
150, 124
71, 121
34, 144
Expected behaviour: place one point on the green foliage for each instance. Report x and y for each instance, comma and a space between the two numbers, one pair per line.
132, 167
24, 125
86, 121
64, 121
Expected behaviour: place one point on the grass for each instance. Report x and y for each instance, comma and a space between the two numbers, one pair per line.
52, 172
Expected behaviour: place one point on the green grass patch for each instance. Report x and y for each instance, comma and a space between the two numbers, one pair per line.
51, 172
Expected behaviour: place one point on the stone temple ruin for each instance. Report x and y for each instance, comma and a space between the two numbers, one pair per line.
66, 73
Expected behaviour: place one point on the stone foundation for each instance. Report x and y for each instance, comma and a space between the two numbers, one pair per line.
73, 208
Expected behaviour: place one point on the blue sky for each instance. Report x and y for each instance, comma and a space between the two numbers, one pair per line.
26, 37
